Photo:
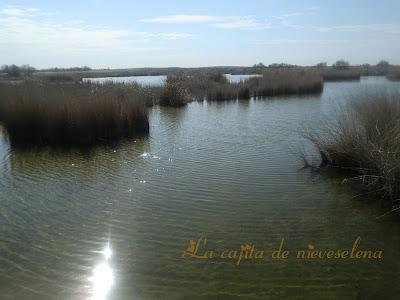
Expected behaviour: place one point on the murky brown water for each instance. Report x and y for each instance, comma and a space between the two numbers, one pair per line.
112, 224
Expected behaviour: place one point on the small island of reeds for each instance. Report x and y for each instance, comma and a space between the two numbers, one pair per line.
71, 114
363, 143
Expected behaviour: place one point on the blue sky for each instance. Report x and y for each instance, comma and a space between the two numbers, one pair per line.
121, 33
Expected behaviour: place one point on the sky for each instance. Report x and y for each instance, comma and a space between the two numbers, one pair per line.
193, 33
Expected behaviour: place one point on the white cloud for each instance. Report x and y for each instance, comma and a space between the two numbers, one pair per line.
16, 11
180, 19
174, 36
249, 23
300, 41
387, 28
222, 22
16, 27
76, 22
285, 21
293, 14
27, 38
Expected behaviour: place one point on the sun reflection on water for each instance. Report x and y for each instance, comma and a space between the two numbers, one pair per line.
103, 277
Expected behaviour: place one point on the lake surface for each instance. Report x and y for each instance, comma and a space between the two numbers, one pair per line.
159, 80
142, 80
112, 224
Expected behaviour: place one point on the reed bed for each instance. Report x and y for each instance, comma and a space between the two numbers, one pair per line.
173, 93
364, 144
214, 86
286, 83
332, 74
394, 74
71, 114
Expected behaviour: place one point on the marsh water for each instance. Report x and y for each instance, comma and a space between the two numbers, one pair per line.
158, 80
112, 223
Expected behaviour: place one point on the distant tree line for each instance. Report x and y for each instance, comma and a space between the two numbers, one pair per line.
340, 64
17, 71
84, 68
274, 65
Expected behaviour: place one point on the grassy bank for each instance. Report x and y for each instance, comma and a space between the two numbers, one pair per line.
67, 114
364, 144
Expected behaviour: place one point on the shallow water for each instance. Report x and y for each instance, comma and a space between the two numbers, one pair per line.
238, 78
142, 80
159, 80
112, 224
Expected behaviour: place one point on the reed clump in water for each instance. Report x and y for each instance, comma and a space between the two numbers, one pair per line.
332, 74
174, 93
286, 83
394, 74
71, 114
364, 144
221, 92
243, 92
215, 87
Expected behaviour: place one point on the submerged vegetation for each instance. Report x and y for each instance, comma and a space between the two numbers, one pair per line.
67, 114
364, 144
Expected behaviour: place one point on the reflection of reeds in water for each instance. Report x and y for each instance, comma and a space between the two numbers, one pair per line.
363, 143
214, 87
394, 75
72, 113
286, 83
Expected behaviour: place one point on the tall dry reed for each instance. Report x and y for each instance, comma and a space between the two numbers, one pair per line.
68, 114
364, 144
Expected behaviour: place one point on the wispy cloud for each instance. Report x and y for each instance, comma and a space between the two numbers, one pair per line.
300, 41
246, 22
387, 28
312, 9
22, 26
18, 11
222, 22
180, 19
173, 36
285, 19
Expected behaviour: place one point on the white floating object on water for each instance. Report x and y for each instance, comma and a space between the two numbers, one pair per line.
130, 190
142, 181
144, 154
